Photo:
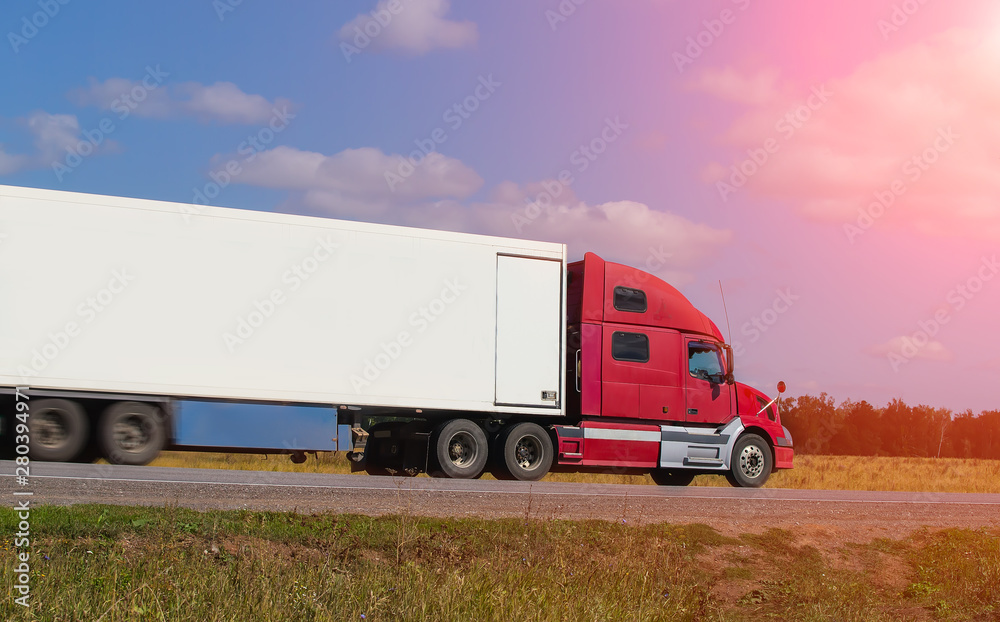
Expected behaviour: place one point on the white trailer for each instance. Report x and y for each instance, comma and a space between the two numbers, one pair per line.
113, 307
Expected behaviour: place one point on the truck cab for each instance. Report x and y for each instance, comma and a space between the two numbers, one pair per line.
641, 356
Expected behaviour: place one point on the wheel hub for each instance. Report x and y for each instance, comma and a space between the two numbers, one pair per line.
752, 461
49, 429
462, 449
526, 453
131, 433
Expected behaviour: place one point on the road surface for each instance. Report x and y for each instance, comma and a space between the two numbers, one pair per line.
848, 514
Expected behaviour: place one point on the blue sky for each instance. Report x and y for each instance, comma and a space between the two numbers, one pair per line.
650, 199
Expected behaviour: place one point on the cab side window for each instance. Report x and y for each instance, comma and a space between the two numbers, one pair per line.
632, 347
630, 299
705, 362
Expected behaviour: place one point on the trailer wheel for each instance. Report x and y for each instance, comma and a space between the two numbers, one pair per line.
751, 462
460, 450
527, 451
131, 433
668, 477
59, 430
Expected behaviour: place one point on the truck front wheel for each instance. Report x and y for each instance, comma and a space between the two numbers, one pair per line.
460, 449
527, 451
59, 430
131, 433
751, 462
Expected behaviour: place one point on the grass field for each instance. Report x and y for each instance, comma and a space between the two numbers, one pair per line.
114, 563
814, 472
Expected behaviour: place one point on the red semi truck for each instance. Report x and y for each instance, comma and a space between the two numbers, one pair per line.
650, 388
433, 351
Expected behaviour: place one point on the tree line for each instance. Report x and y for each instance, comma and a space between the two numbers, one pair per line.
819, 426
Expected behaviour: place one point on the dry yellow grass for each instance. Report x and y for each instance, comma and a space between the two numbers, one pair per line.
810, 472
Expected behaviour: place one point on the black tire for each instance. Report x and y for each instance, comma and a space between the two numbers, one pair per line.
751, 462
668, 477
459, 450
59, 430
527, 451
131, 433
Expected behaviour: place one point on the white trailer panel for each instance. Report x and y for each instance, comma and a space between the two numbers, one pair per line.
127, 295
529, 331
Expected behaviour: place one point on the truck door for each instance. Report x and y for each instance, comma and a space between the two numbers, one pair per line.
529, 332
708, 398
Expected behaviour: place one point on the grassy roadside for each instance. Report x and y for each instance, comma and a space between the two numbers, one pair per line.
128, 563
812, 472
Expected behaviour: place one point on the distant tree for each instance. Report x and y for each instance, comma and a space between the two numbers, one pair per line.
819, 426
812, 421
859, 434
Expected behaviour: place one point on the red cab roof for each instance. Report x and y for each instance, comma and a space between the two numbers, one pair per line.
595, 285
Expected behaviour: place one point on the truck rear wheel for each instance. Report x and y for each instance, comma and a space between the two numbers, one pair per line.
59, 430
527, 451
460, 450
751, 462
668, 477
131, 433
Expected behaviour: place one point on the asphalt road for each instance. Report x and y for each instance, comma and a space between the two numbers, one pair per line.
846, 514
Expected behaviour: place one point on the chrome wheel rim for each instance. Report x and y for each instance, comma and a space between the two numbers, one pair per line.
752, 461
462, 449
527, 452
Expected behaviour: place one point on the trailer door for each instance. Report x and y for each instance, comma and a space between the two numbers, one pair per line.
529, 325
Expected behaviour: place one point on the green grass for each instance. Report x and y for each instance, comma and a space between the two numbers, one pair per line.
128, 563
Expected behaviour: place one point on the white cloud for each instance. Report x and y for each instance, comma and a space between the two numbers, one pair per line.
729, 84
415, 26
10, 163
52, 135
921, 119
351, 185
222, 102
909, 348
366, 176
